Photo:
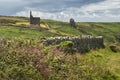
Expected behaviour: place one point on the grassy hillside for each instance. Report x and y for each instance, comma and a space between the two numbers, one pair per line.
110, 31
14, 27
24, 57
18, 32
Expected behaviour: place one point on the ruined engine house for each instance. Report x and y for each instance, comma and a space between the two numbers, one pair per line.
34, 20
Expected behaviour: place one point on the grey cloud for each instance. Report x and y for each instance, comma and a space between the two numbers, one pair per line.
50, 5
63, 9
9, 7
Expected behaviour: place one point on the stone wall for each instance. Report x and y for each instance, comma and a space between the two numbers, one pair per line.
81, 43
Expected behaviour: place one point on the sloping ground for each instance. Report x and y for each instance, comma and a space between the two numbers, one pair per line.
18, 32
110, 31
26, 59
12, 18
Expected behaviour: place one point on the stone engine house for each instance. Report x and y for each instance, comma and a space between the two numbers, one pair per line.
34, 20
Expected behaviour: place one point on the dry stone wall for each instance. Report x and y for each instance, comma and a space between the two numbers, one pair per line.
81, 43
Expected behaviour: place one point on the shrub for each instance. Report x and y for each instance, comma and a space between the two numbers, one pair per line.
115, 48
67, 47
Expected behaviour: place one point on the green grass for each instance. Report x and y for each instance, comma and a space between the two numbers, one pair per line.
110, 31
68, 31
18, 32
22, 58
109, 58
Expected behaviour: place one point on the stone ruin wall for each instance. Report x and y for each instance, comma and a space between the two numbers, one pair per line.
81, 43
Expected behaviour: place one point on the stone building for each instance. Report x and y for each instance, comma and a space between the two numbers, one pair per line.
72, 23
34, 20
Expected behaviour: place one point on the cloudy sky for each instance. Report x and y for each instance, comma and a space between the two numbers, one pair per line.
63, 10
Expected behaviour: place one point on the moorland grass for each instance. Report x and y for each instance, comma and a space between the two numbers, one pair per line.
24, 57
29, 59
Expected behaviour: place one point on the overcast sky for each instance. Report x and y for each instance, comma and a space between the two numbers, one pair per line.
63, 10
